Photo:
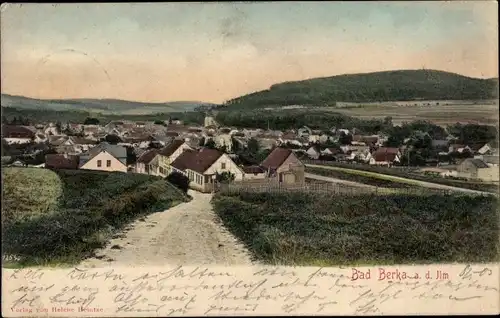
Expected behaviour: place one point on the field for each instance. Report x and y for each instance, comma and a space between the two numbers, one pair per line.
446, 112
321, 230
60, 217
385, 173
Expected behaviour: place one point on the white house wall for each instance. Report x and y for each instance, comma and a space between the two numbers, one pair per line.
230, 167
116, 165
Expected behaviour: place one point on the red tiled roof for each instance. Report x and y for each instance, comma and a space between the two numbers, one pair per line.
13, 131
171, 147
276, 158
198, 161
147, 156
385, 154
61, 161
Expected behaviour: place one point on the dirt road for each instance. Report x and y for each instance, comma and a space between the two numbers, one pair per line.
416, 182
339, 181
185, 234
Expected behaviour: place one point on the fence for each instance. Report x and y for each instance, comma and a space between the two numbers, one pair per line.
324, 188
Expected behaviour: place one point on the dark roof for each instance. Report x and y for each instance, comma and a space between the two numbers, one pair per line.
147, 156
61, 161
276, 158
387, 150
253, 169
83, 141
198, 161
114, 150
168, 150
14, 131
172, 134
478, 163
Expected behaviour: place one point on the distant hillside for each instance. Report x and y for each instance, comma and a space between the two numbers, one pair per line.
403, 85
106, 106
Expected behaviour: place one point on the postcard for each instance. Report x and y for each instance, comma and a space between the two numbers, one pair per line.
250, 159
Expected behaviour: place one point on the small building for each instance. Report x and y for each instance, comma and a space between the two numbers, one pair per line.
61, 161
14, 134
384, 156
284, 166
168, 154
142, 165
254, 172
473, 168
105, 157
201, 167
313, 152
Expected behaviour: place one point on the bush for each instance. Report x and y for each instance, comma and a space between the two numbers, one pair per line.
179, 180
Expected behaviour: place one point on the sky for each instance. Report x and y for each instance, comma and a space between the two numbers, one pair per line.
212, 52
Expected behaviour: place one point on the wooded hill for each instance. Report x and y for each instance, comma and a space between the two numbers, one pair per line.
403, 85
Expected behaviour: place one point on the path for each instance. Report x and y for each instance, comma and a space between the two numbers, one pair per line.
185, 234
339, 181
416, 182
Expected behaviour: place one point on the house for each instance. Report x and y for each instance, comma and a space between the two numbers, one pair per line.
169, 153
384, 156
283, 166
486, 149
202, 166
79, 144
330, 151
210, 121
473, 168
52, 130
61, 161
439, 143
224, 140
304, 132
39, 138
359, 153
313, 152
254, 172
14, 134
105, 157
458, 148
292, 139
491, 160
142, 164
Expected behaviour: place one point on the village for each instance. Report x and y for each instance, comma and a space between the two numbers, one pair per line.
212, 153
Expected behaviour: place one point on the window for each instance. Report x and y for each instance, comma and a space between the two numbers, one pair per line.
99, 163
108, 163
223, 165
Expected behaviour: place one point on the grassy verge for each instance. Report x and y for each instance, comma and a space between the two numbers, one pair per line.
396, 172
304, 229
60, 217
362, 177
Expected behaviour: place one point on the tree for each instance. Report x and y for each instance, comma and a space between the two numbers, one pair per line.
112, 139
253, 146
59, 126
210, 144
345, 139
91, 121
201, 143
131, 155
236, 145
159, 122
224, 177
179, 180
